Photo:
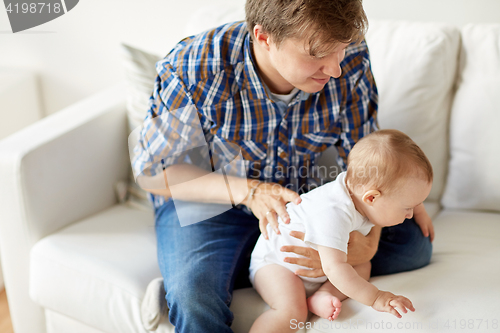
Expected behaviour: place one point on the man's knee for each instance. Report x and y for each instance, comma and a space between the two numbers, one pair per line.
419, 247
198, 296
401, 248
423, 253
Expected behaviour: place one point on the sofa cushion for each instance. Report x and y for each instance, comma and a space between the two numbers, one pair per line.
456, 292
96, 271
474, 177
140, 72
56, 322
414, 65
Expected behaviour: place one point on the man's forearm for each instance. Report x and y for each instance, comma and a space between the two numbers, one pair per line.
191, 183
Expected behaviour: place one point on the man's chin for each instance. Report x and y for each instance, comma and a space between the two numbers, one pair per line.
311, 90
312, 87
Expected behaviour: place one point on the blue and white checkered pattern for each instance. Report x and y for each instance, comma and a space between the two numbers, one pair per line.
208, 94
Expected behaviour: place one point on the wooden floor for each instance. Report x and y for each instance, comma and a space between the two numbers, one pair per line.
5, 323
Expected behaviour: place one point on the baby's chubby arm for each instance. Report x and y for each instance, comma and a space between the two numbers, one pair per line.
344, 277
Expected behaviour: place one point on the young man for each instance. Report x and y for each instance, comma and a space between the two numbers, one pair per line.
282, 87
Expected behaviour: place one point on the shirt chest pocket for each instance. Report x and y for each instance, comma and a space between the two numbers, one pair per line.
252, 150
313, 144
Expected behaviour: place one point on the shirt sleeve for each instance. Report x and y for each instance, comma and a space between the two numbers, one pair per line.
358, 115
172, 129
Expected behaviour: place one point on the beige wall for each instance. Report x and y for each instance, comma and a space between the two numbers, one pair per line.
77, 54
457, 12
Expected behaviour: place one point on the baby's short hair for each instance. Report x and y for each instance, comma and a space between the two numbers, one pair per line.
383, 159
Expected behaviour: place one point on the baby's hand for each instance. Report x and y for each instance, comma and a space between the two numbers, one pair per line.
387, 302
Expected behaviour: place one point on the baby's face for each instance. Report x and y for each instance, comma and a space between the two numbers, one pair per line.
393, 208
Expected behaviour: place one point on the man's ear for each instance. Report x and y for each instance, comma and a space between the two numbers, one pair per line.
261, 37
371, 196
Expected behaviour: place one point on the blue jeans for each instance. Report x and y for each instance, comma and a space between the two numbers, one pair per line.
402, 248
203, 262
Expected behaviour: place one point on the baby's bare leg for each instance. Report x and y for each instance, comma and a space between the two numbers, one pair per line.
285, 294
326, 301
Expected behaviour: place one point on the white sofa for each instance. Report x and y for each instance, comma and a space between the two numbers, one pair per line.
77, 261
17, 84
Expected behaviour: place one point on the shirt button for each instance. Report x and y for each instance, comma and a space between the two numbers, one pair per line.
283, 155
175, 135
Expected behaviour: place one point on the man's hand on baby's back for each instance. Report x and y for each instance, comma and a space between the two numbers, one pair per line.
388, 302
268, 203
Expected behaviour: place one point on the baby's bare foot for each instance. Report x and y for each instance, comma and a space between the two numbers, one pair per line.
323, 304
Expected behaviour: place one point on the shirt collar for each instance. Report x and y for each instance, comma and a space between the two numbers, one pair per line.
252, 81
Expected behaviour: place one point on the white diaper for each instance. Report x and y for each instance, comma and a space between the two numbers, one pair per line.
267, 252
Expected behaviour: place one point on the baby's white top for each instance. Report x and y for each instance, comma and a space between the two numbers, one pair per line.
327, 216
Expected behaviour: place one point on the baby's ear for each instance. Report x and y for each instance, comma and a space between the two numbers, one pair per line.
371, 196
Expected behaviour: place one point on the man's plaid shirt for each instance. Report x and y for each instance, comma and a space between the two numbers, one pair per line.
208, 98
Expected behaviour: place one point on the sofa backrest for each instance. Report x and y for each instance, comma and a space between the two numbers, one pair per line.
417, 71
414, 65
474, 176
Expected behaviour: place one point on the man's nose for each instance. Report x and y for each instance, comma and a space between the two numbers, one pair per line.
332, 67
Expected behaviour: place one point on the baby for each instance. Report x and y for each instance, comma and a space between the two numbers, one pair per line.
387, 176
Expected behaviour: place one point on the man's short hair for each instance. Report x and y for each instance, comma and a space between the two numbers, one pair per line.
321, 24
383, 159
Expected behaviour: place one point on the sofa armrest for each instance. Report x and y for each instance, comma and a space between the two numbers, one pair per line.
53, 173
